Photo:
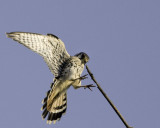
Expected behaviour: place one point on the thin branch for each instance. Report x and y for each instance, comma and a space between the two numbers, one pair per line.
107, 98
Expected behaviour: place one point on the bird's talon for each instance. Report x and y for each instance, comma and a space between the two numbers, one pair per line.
83, 77
89, 86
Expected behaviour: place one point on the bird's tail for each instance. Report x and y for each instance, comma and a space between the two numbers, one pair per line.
57, 109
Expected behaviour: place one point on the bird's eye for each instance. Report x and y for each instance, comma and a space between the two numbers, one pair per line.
82, 56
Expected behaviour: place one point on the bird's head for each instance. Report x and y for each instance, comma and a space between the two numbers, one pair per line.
83, 57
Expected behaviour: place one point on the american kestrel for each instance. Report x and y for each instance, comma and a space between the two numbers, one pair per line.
66, 69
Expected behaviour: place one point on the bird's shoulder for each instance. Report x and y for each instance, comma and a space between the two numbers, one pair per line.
75, 59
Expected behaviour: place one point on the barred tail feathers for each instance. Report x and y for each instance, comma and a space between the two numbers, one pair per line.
58, 107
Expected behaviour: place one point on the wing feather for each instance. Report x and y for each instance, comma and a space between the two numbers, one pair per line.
49, 46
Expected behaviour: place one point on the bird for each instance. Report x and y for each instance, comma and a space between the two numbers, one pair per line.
66, 69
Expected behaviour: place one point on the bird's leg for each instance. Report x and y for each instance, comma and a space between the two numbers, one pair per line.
87, 86
82, 77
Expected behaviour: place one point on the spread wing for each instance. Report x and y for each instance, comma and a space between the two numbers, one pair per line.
49, 46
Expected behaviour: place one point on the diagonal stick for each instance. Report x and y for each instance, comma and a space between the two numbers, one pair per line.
107, 98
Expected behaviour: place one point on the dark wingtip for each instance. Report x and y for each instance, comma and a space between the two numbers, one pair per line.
52, 35
7, 34
10, 35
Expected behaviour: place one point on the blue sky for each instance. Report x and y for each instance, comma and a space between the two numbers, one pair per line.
120, 36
